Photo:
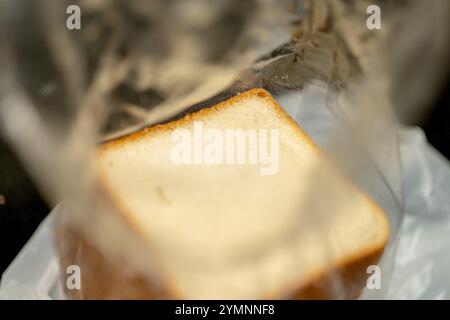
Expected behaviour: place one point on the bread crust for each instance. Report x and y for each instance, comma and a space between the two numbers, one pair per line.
101, 277
345, 282
202, 113
105, 279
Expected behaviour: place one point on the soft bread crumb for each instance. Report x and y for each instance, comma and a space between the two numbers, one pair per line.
228, 231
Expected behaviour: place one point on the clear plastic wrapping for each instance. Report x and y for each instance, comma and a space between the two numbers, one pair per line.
337, 88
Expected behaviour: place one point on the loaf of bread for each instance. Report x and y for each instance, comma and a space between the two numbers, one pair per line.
232, 219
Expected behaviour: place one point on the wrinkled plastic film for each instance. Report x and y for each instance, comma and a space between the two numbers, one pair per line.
318, 78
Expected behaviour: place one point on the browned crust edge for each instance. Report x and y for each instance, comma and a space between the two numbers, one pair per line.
258, 92
106, 279
345, 282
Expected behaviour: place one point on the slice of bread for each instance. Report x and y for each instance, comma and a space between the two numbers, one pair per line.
292, 227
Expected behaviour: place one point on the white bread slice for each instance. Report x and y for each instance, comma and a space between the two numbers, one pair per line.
227, 231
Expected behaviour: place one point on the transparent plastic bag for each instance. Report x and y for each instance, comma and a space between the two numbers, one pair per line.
343, 104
